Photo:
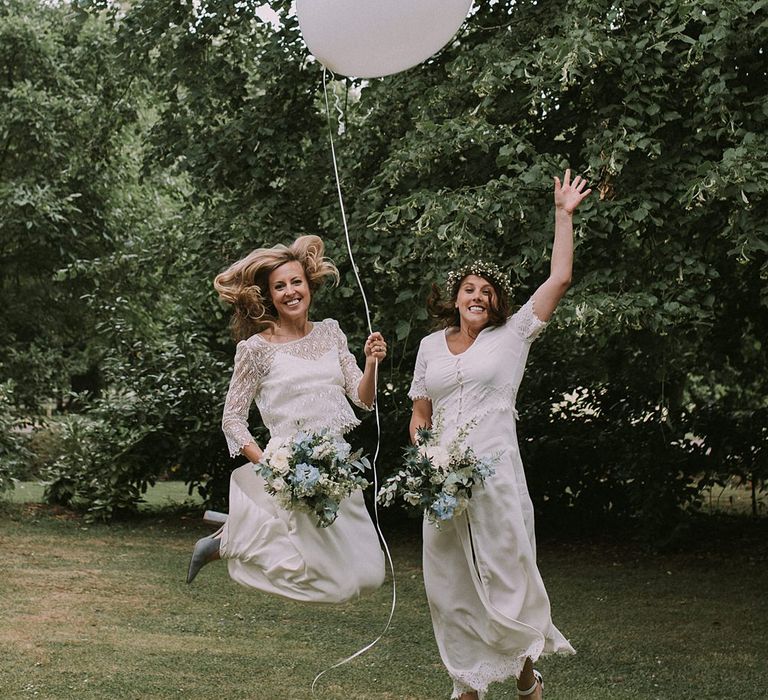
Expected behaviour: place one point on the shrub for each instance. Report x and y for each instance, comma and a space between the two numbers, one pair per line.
13, 439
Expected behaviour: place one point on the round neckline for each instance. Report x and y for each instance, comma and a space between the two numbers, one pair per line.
464, 352
289, 342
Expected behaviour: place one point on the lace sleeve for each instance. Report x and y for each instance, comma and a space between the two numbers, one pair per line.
246, 378
349, 368
526, 323
418, 388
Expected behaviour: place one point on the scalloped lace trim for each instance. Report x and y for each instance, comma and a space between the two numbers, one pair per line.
528, 325
418, 389
480, 677
237, 438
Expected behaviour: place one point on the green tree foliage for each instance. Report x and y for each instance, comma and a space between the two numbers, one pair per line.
13, 443
662, 105
247, 140
63, 107
653, 374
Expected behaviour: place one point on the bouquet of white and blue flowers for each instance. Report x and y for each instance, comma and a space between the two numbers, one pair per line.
435, 479
312, 472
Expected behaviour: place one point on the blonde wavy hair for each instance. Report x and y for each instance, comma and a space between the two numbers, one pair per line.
245, 284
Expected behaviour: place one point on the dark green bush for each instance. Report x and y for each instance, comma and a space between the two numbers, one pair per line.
13, 439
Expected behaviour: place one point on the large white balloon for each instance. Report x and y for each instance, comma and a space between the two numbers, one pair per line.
371, 38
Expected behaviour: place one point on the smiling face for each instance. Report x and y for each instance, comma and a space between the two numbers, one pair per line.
475, 299
289, 291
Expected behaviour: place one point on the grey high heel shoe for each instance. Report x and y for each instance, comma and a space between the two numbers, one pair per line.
204, 551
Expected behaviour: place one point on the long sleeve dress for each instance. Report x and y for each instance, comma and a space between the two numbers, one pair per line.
489, 607
303, 384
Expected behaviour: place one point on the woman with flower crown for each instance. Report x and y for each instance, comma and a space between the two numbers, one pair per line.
301, 376
490, 610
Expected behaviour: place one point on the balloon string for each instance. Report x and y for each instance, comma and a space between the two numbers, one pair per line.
367, 647
341, 200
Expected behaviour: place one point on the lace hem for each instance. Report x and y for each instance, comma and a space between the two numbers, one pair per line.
325, 408
236, 440
479, 678
354, 397
341, 428
526, 323
418, 388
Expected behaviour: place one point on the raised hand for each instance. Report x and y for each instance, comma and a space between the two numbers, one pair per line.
569, 195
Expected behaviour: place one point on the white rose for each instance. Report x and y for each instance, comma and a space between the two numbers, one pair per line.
413, 498
437, 477
279, 484
413, 482
279, 461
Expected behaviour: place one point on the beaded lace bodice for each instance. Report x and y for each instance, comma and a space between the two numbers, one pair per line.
484, 379
303, 384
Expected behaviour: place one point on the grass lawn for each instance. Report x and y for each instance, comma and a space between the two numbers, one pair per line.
102, 612
163, 493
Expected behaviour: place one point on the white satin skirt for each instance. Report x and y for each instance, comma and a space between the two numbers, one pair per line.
490, 609
283, 552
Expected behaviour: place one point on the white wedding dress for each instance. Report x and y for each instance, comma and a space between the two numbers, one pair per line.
303, 384
489, 607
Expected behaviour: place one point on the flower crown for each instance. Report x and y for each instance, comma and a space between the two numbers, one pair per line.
481, 268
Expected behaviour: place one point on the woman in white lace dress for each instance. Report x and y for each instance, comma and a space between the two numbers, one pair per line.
302, 376
490, 610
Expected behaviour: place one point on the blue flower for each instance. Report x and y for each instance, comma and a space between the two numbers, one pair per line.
327, 511
302, 445
301, 437
444, 506
342, 450
484, 469
305, 478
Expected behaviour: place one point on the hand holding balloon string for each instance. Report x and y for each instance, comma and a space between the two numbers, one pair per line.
375, 348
